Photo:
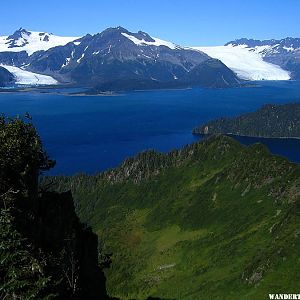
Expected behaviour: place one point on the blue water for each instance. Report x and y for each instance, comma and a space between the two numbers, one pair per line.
90, 134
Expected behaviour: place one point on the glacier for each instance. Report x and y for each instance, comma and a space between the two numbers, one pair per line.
28, 78
246, 63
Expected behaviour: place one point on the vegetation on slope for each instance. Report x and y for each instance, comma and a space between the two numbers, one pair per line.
269, 121
215, 220
45, 252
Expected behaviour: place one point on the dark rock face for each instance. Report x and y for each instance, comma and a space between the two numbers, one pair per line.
6, 78
215, 75
18, 34
46, 38
13, 58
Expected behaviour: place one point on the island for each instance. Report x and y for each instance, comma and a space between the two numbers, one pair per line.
270, 121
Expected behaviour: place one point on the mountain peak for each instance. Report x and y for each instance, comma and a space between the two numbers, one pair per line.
19, 33
122, 29
115, 31
31, 41
122, 33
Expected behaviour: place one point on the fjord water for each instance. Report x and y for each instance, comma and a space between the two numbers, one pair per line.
93, 133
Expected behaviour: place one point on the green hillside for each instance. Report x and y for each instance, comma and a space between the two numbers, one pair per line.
215, 220
269, 121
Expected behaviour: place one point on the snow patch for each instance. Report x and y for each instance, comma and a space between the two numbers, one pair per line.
82, 55
147, 56
157, 42
79, 60
245, 63
289, 49
29, 78
68, 59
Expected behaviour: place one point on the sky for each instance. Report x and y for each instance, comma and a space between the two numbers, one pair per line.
184, 22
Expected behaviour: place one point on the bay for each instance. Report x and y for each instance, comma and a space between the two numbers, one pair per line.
93, 133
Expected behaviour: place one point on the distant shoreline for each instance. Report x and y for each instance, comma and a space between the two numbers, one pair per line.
44, 91
41, 90
251, 136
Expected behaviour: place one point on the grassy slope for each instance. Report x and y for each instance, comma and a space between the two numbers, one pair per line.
221, 221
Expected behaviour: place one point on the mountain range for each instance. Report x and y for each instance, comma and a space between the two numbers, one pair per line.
114, 59
117, 59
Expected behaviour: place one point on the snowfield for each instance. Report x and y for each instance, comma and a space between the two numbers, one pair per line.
34, 41
28, 78
245, 63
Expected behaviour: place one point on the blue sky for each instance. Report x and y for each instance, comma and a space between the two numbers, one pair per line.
186, 22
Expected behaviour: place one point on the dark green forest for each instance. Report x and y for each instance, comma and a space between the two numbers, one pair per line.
269, 121
45, 251
214, 220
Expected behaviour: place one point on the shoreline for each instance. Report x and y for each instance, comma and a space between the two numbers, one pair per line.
250, 136
41, 90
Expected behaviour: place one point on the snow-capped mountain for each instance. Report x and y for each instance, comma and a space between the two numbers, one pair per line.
15, 50
119, 59
31, 41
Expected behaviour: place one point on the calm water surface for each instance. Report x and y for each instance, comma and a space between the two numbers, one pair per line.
90, 134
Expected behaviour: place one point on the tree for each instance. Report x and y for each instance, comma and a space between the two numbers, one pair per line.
45, 252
